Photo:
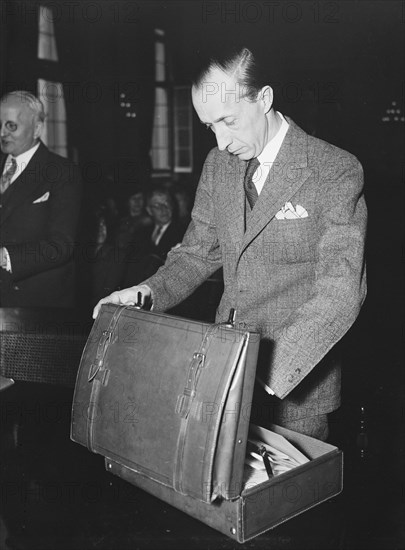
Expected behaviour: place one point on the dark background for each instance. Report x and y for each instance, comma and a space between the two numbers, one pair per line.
337, 67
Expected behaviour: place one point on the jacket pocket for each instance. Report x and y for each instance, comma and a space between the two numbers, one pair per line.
289, 241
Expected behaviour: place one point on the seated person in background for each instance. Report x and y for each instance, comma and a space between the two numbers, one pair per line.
184, 203
106, 259
40, 196
150, 250
114, 243
137, 219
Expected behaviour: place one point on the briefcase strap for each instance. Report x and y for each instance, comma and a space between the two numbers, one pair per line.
185, 400
99, 374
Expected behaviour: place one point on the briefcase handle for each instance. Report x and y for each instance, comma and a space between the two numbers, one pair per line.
230, 323
138, 304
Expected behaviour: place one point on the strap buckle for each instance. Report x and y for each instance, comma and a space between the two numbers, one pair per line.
185, 399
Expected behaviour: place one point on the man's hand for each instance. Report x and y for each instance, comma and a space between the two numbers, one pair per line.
127, 296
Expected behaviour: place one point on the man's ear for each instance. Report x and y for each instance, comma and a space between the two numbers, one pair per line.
266, 95
38, 129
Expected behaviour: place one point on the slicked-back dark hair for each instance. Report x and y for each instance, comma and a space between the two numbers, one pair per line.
239, 62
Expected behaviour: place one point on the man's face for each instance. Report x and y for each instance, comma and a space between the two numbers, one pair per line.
240, 125
19, 126
160, 208
136, 204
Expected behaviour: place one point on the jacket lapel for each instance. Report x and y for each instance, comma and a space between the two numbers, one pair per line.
25, 185
286, 176
2, 161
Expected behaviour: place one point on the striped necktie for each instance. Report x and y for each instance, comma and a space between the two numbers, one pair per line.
250, 187
6, 178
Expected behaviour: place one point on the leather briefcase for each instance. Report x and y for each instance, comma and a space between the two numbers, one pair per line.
167, 402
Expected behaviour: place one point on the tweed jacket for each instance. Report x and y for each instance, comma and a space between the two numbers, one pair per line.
299, 282
38, 221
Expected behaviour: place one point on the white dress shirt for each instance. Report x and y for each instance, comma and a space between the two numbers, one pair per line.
21, 160
157, 235
269, 154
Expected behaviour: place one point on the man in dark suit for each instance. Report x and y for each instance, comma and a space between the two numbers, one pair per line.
153, 243
284, 214
40, 202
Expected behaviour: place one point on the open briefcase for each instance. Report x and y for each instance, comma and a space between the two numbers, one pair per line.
167, 402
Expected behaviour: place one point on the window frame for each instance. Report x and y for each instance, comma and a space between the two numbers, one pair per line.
170, 87
49, 70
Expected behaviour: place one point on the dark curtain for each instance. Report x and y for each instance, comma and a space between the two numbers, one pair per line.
100, 62
134, 76
72, 46
19, 46
147, 98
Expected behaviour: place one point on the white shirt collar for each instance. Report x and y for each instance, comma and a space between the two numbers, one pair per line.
24, 158
21, 160
269, 153
161, 232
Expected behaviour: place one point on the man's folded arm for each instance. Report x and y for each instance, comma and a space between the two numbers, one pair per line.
57, 247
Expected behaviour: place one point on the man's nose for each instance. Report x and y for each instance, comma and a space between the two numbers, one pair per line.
223, 138
2, 130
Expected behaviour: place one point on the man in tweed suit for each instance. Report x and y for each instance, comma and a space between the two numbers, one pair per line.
290, 239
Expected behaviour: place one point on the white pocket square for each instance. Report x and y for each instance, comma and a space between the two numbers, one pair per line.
288, 212
44, 198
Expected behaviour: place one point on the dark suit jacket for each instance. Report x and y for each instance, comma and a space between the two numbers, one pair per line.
299, 282
40, 234
145, 258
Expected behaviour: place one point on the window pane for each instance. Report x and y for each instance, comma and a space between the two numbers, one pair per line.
54, 134
183, 143
183, 157
160, 72
160, 137
46, 40
161, 96
60, 133
51, 136
183, 137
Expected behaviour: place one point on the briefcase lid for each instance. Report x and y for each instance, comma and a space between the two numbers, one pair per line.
167, 397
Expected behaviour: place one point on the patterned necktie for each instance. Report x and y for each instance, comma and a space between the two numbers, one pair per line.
5, 179
250, 187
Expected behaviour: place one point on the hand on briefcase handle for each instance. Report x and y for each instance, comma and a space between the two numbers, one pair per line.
139, 295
